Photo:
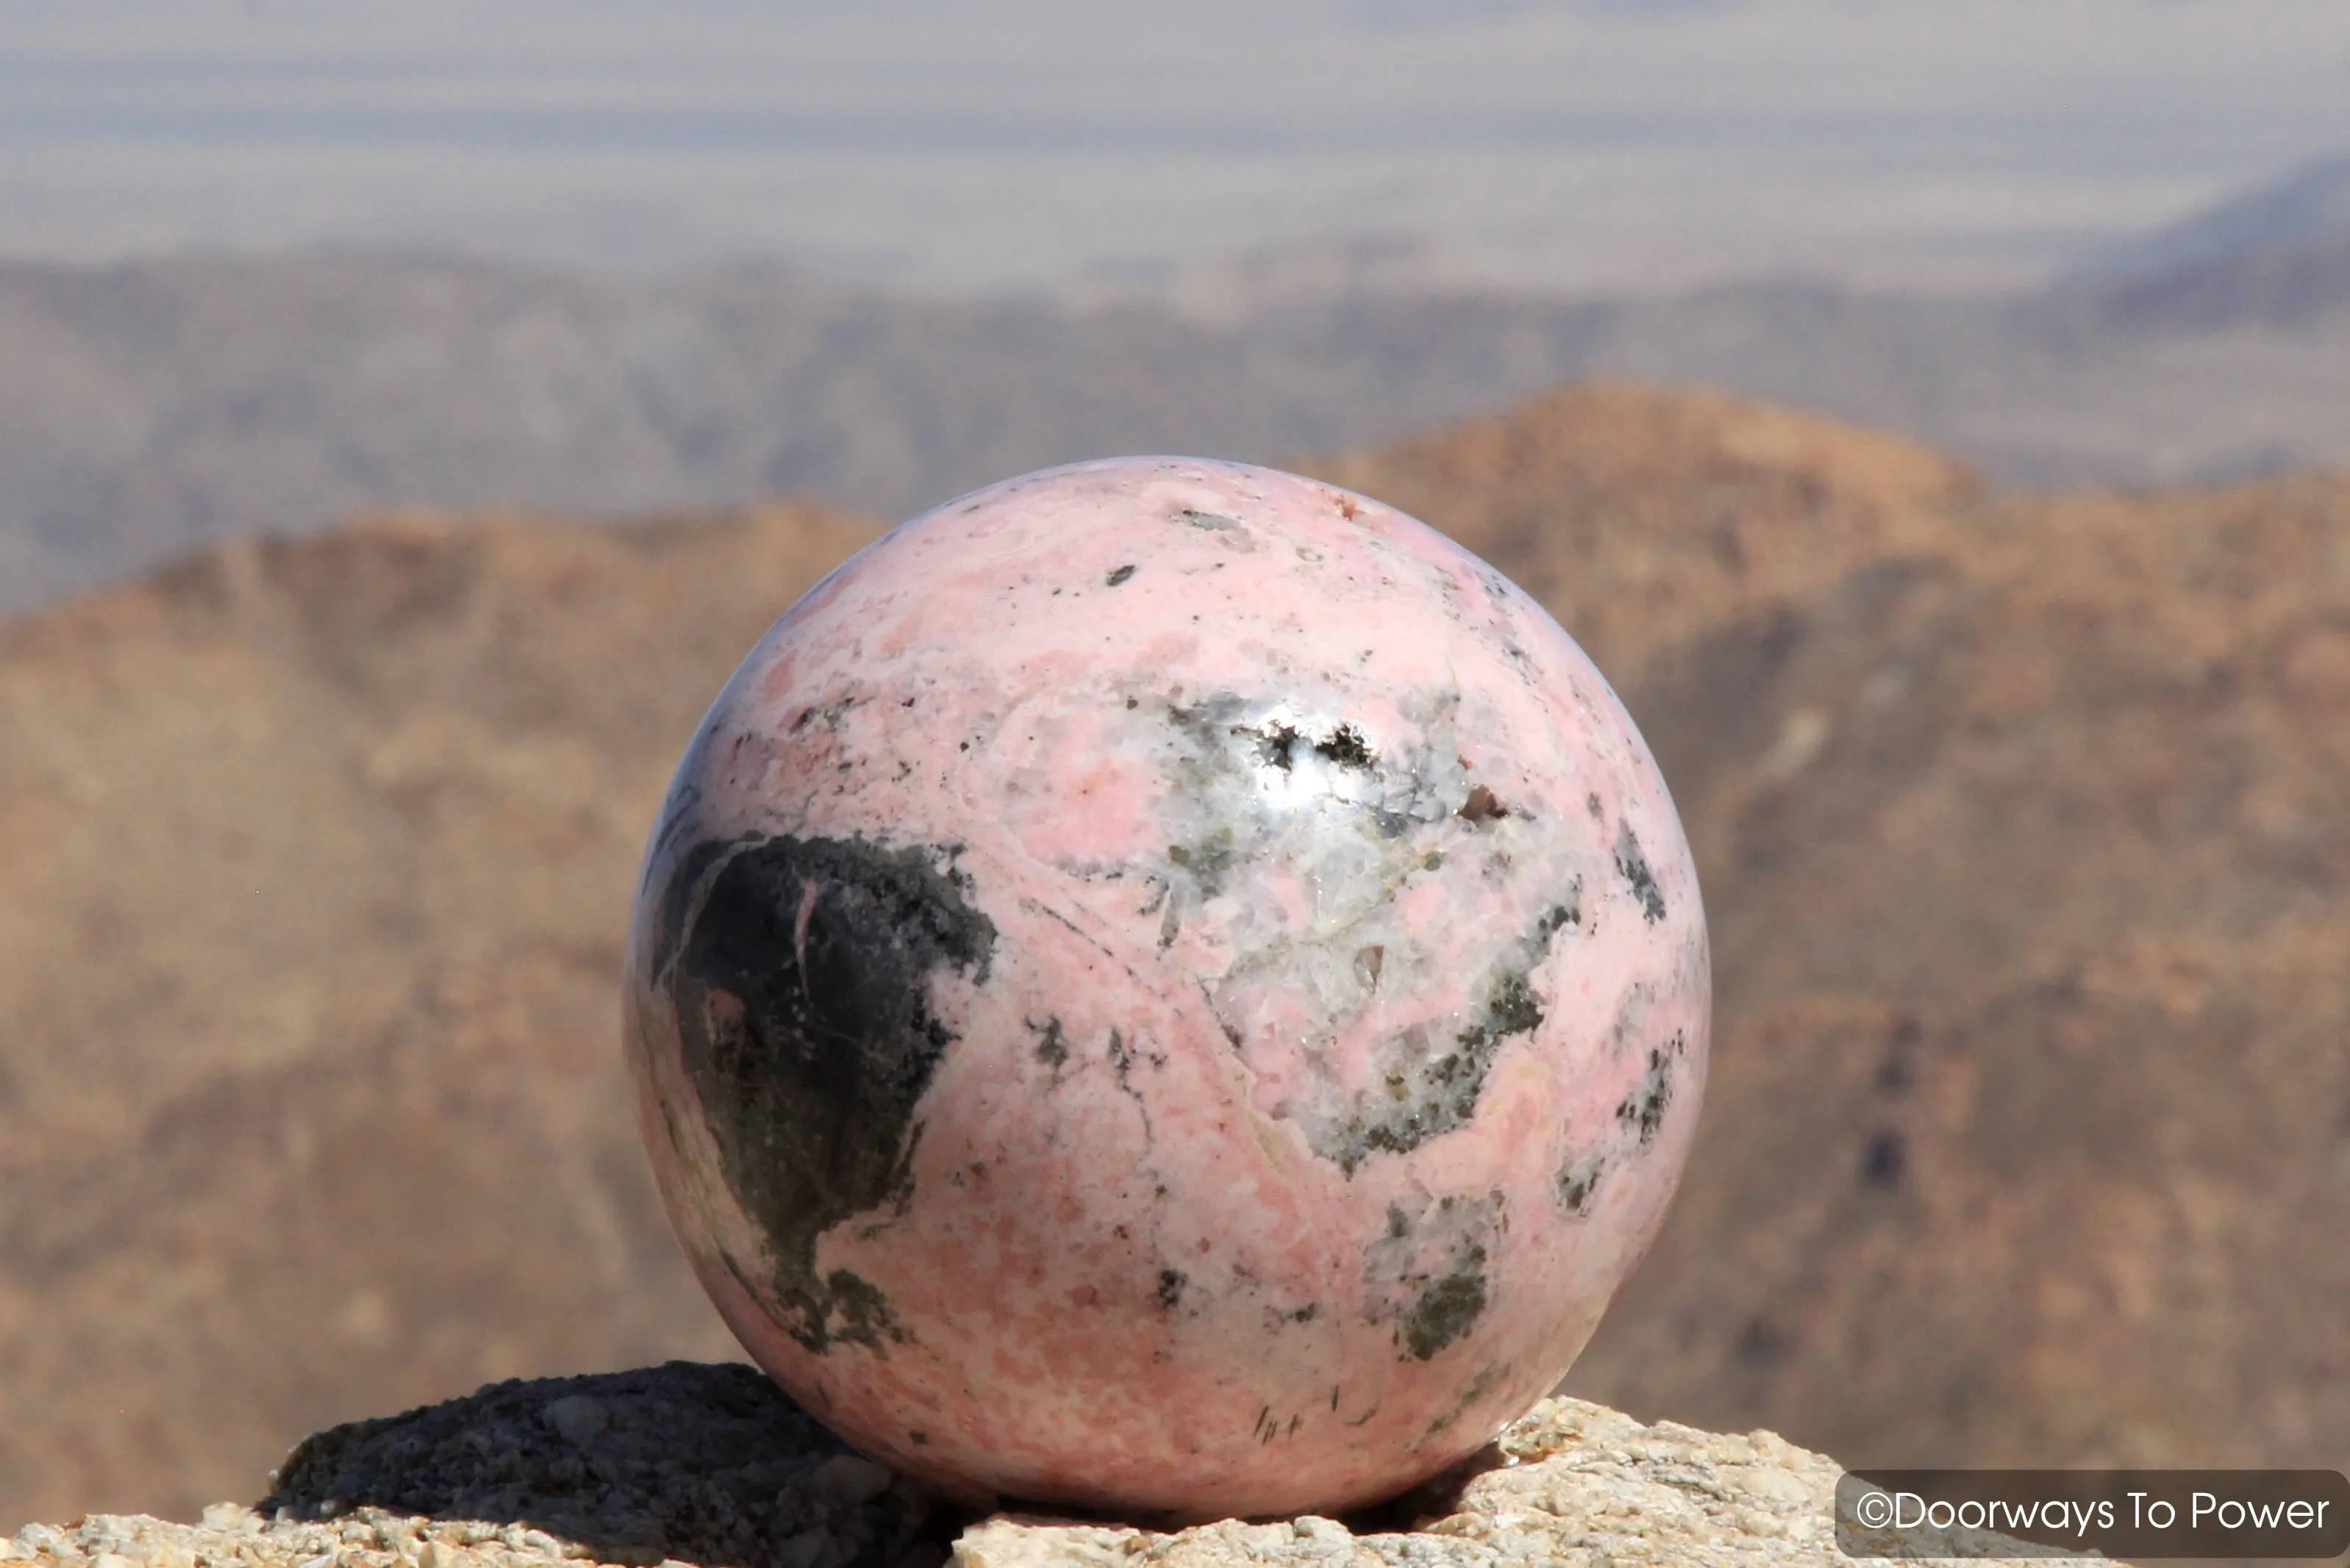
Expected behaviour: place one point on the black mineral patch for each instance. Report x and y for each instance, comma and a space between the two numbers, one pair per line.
1568, 912
864, 1311
1633, 867
1578, 1185
1644, 1109
1052, 1046
1171, 1288
1346, 748
800, 970
1427, 1271
830, 713
1276, 745
1432, 1091
1118, 576
1121, 1064
1448, 1310
1512, 1010
677, 901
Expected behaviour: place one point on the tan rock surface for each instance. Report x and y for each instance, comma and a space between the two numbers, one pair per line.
712, 1466
1573, 1483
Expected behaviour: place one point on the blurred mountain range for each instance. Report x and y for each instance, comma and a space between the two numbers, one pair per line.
2308, 210
147, 409
2021, 823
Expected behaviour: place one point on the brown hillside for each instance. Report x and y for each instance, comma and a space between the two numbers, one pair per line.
2022, 827
314, 860
2026, 843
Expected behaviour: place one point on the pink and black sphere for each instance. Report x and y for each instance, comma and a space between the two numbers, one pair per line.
1169, 987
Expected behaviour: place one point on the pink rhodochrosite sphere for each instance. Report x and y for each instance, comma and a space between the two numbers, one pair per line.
1167, 986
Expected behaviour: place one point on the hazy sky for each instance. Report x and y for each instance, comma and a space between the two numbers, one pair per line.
1027, 143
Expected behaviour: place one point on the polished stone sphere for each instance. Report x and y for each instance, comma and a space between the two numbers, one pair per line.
1167, 986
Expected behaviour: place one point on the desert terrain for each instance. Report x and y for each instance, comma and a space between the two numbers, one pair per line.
2020, 819
152, 406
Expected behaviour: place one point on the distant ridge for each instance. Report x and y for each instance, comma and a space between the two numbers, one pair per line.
2307, 210
147, 409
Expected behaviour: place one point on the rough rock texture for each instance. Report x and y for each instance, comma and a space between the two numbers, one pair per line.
711, 1465
692, 1460
1174, 934
1574, 1483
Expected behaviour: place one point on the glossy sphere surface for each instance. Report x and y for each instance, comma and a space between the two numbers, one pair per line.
1165, 985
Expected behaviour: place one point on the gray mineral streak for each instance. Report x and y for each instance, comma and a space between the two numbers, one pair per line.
710, 1466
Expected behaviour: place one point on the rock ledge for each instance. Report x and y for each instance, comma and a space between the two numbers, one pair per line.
710, 1465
